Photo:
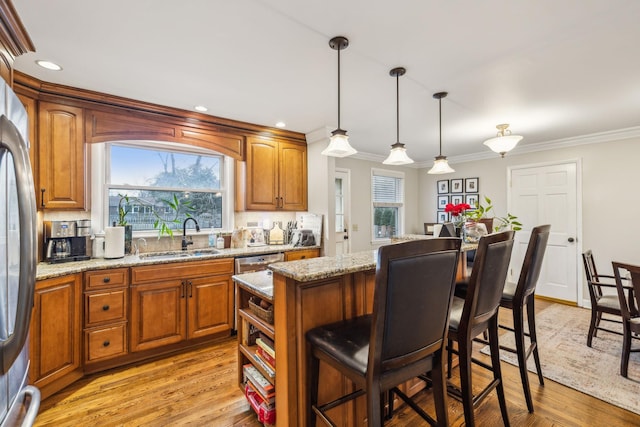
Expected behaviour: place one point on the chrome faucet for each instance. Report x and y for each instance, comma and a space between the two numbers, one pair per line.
186, 242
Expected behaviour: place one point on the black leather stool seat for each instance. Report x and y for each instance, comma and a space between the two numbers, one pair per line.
347, 342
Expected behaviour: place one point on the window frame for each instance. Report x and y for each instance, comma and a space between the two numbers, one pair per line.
400, 205
100, 153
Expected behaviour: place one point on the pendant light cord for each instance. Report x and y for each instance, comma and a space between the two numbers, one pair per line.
339, 89
440, 122
398, 108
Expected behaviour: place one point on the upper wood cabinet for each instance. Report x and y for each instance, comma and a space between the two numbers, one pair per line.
61, 159
274, 176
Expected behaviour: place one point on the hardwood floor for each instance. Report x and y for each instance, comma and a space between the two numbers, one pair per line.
199, 388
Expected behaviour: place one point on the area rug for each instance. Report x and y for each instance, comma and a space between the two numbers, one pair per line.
566, 359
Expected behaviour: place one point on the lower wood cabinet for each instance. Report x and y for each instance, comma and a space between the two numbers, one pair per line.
56, 333
106, 297
175, 302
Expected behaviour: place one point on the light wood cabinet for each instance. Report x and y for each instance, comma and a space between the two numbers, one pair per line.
105, 314
301, 254
61, 157
175, 302
274, 176
56, 333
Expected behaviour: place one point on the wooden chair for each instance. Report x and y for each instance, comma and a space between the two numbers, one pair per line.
630, 316
403, 338
601, 302
428, 228
478, 313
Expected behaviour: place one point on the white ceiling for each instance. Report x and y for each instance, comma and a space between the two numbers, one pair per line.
552, 69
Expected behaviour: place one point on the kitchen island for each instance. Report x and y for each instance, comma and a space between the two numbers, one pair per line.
310, 293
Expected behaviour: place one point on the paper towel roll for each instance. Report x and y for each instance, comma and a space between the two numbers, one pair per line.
114, 242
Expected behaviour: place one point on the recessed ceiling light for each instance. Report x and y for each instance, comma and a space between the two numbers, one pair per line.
48, 65
281, 124
200, 108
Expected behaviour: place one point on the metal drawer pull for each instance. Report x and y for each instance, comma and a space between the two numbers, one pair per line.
105, 307
106, 279
106, 343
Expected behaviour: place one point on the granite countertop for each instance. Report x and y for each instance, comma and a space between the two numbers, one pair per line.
47, 271
307, 270
260, 282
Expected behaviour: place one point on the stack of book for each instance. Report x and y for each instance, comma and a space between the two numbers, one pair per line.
265, 354
260, 394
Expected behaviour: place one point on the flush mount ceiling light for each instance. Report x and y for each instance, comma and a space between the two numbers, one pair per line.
48, 65
398, 154
200, 108
339, 142
440, 164
504, 141
281, 125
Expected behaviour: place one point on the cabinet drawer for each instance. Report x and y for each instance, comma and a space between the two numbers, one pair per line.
301, 254
105, 306
155, 273
107, 342
100, 279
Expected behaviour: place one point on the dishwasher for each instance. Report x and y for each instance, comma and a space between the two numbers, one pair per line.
249, 264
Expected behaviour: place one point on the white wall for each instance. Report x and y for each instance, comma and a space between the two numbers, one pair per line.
610, 194
361, 200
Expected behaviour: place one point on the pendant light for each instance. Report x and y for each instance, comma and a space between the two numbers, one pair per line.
440, 164
398, 154
339, 142
504, 141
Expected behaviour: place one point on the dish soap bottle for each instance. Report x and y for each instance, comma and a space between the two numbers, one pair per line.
220, 242
212, 239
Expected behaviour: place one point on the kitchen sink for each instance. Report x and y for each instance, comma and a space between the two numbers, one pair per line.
178, 254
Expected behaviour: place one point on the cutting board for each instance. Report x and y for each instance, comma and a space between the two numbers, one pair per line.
276, 235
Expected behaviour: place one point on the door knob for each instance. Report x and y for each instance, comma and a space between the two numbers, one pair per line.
571, 240
346, 237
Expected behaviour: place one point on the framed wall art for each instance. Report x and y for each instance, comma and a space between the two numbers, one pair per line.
457, 185
442, 217
471, 200
471, 185
456, 199
443, 186
442, 201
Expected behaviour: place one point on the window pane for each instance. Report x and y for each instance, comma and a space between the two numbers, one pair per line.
143, 167
387, 189
339, 206
146, 207
385, 222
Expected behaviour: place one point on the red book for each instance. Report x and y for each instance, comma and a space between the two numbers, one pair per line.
271, 361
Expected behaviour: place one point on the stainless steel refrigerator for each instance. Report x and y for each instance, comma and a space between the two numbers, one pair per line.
19, 402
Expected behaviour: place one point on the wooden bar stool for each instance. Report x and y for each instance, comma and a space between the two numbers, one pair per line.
403, 338
478, 313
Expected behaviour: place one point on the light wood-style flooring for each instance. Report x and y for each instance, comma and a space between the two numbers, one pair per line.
199, 388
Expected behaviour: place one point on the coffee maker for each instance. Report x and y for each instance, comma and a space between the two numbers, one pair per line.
67, 241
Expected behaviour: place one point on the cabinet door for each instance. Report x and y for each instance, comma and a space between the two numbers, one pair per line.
210, 302
292, 177
32, 114
61, 159
56, 330
158, 313
262, 175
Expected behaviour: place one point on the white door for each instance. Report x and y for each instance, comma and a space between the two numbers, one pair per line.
547, 194
343, 204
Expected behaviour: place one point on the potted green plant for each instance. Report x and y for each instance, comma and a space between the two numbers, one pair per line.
161, 223
480, 212
494, 223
